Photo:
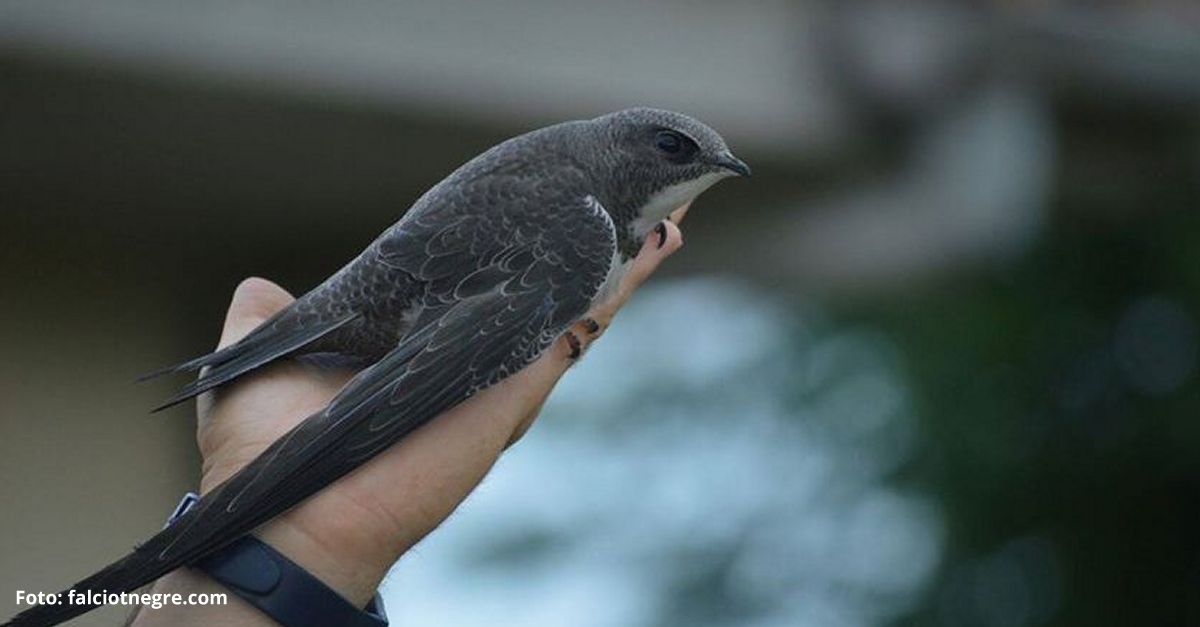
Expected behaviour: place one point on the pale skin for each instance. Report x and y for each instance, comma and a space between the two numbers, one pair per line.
349, 534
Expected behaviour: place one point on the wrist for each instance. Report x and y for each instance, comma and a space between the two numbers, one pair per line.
340, 542
350, 561
265, 582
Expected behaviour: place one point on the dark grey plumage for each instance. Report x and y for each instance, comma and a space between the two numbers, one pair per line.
481, 275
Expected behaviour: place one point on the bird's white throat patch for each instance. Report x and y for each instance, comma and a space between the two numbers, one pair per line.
663, 203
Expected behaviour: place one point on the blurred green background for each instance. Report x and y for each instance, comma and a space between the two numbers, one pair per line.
934, 365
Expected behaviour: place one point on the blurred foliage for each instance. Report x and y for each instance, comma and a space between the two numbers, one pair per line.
1059, 401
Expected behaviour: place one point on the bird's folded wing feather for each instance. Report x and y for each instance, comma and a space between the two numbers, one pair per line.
497, 298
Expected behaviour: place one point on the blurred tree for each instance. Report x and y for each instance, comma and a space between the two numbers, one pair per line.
1060, 399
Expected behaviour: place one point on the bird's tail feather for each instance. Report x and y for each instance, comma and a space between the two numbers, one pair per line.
271, 340
187, 366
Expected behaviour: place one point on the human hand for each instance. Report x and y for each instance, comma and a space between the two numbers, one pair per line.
350, 533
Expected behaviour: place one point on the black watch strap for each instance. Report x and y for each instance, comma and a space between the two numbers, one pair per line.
274, 584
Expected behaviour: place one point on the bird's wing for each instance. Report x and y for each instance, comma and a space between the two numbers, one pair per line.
488, 312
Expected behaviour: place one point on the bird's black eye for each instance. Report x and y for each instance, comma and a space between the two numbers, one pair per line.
669, 142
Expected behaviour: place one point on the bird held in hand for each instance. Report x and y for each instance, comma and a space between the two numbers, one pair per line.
484, 272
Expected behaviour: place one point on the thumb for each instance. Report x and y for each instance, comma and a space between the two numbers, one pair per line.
254, 301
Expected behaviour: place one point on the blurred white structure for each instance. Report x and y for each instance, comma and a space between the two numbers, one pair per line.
792, 84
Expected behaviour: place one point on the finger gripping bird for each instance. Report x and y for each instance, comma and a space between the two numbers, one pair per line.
477, 279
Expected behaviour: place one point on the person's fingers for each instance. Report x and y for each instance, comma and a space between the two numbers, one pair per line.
253, 301
539, 377
654, 250
678, 215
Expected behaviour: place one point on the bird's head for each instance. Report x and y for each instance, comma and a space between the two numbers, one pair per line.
659, 160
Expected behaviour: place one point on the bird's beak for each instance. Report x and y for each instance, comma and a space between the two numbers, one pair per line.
733, 164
